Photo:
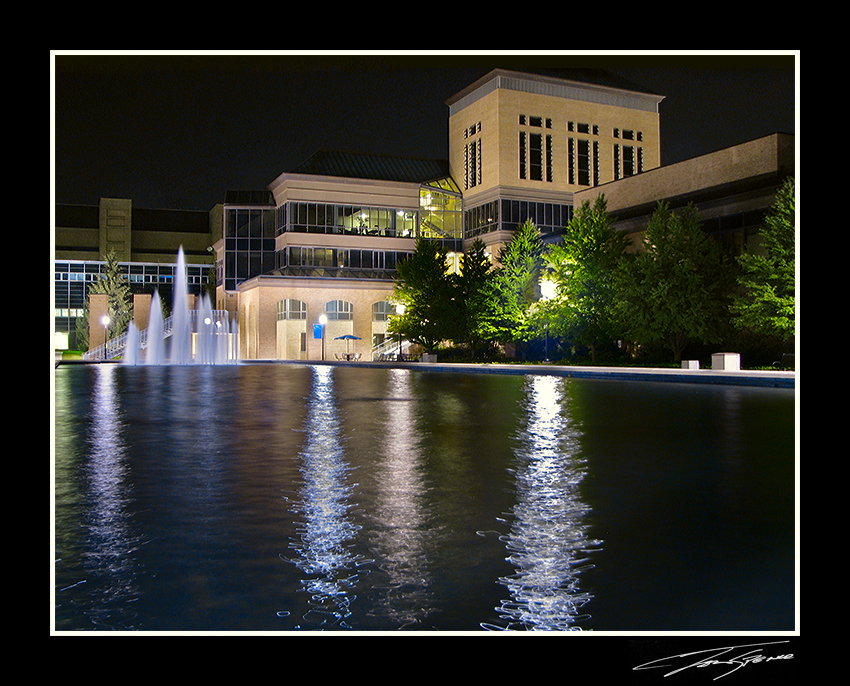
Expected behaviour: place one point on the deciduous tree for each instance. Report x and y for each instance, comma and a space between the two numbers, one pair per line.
583, 268
476, 295
675, 289
426, 290
517, 284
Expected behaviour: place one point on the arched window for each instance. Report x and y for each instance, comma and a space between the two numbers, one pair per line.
381, 311
339, 310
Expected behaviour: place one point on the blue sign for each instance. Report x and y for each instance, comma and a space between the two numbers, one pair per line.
317, 330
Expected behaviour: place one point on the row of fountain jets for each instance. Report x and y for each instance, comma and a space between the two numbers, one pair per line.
215, 339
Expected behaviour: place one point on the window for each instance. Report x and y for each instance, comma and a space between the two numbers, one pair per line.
523, 153
472, 164
381, 311
595, 163
249, 243
628, 160
291, 309
583, 162
472, 157
508, 214
592, 129
536, 151
535, 157
339, 310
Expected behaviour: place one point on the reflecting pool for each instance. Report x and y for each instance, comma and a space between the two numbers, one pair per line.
301, 498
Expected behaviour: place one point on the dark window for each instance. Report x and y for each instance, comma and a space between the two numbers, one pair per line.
535, 156
583, 162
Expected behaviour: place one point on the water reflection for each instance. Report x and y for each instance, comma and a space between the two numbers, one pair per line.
399, 538
548, 542
326, 532
110, 542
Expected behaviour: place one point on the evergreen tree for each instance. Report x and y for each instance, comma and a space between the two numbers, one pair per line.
113, 284
767, 304
583, 268
517, 285
675, 289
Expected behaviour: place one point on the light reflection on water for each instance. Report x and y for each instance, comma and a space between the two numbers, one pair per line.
108, 563
547, 544
326, 532
288, 498
400, 538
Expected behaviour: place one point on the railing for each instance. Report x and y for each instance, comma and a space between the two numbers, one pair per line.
388, 350
115, 347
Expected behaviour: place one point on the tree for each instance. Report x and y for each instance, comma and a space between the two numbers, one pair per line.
766, 305
426, 290
583, 268
476, 298
517, 284
113, 284
675, 289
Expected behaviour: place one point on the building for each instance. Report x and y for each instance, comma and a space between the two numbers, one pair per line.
320, 242
325, 238
732, 190
521, 145
145, 242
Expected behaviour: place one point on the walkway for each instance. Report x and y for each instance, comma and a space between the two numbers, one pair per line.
771, 378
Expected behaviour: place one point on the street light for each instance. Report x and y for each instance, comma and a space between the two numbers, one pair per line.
323, 319
399, 310
105, 321
548, 290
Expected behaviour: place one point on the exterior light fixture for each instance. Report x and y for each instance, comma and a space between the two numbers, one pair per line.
323, 319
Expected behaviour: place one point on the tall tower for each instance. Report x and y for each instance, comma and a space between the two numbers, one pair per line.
520, 145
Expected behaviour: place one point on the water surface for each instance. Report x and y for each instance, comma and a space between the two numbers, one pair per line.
293, 498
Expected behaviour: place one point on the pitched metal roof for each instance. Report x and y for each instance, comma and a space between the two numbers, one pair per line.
369, 166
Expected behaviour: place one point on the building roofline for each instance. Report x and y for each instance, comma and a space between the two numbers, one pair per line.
552, 84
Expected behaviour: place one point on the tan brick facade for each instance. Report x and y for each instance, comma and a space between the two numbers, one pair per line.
263, 336
491, 113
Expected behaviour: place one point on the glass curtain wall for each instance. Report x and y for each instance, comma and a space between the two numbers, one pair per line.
248, 244
441, 209
72, 279
507, 215
311, 217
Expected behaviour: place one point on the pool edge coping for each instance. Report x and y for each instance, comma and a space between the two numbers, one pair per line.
766, 378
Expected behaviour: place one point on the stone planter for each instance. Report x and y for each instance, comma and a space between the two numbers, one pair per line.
726, 361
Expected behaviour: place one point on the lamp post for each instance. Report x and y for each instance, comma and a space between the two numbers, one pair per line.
105, 321
323, 319
399, 310
548, 290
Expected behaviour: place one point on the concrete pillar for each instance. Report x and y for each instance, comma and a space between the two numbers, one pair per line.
98, 308
141, 311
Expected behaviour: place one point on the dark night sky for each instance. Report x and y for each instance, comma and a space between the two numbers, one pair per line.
178, 130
